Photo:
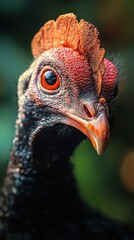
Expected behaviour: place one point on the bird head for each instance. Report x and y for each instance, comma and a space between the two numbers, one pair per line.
70, 81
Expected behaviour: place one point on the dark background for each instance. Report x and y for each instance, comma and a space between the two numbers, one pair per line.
106, 182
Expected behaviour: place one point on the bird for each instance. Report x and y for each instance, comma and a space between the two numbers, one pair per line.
64, 97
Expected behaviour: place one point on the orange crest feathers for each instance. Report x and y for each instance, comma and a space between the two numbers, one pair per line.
67, 32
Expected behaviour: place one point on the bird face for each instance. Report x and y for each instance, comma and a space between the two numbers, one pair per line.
70, 82
61, 84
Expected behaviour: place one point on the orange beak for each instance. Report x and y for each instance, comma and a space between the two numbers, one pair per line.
96, 129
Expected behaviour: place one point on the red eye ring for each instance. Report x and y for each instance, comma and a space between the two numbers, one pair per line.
50, 80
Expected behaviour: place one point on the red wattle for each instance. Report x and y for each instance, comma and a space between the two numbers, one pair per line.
109, 79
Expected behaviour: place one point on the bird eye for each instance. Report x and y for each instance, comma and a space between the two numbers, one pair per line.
50, 80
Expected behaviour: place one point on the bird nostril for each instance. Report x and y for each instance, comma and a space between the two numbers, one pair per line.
88, 113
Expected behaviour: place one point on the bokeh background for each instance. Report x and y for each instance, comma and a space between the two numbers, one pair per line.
106, 182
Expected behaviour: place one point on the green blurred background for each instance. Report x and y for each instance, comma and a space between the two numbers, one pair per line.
106, 182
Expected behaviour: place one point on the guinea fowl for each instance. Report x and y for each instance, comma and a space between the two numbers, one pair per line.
67, 91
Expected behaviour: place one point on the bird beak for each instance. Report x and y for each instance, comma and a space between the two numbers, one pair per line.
96, 129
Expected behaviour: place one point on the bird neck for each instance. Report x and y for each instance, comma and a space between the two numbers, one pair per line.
42, 164
40, 179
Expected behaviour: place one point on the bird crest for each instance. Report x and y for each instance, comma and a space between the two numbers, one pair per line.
81, 36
